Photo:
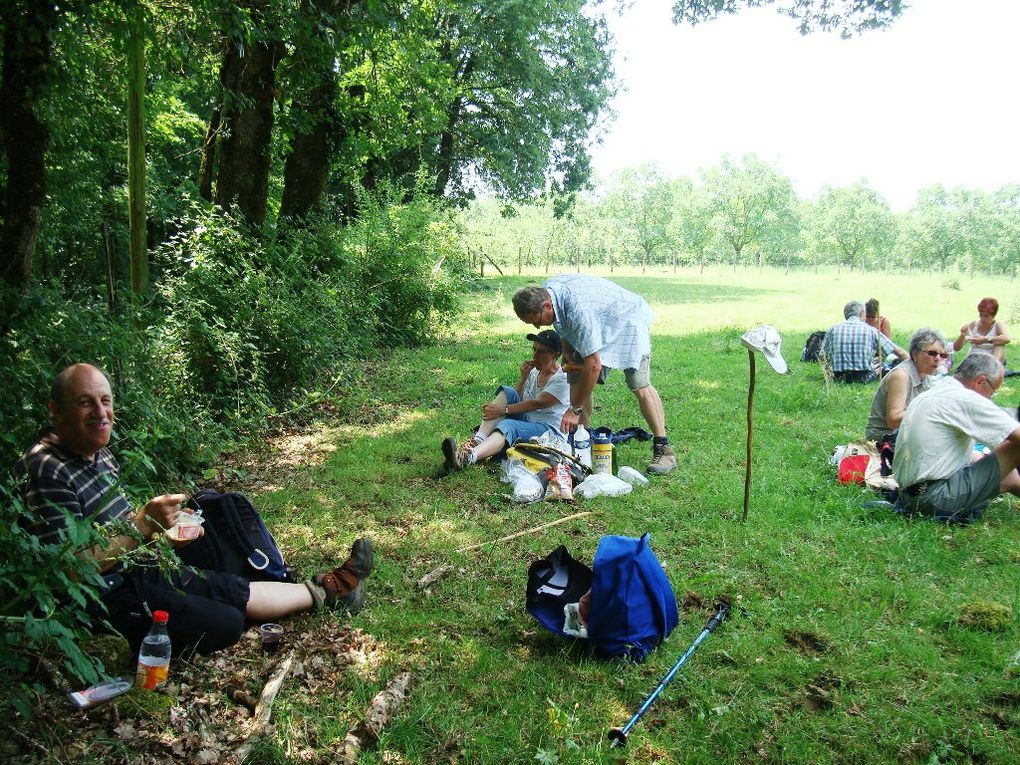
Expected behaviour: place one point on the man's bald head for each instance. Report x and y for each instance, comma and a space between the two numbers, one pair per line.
62, 383
81, 407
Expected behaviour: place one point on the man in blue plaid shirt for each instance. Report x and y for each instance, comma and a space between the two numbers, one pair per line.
851, 347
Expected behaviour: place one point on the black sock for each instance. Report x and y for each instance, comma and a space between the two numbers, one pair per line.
662, 440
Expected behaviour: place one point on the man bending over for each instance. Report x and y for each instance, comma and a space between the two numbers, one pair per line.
603, 327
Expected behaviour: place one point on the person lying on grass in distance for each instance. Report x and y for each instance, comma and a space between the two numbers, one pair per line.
532, 407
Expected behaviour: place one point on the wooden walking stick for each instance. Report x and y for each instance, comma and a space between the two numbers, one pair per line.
766, 340
750, 410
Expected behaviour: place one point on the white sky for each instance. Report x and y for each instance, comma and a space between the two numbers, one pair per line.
931, 99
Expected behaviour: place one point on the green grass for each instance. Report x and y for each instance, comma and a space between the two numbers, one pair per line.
847, 648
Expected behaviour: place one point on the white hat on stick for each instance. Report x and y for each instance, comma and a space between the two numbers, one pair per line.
766, 340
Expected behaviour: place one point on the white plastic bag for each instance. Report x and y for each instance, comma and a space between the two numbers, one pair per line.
527, 486
602, 485
554, 441
631, 476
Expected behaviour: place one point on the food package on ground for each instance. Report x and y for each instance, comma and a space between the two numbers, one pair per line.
631, 476
559, 483
527, 486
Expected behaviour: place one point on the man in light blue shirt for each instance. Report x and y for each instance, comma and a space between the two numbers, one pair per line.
851, 347
603, 326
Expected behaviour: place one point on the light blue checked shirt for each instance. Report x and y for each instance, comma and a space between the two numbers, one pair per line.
595, 315
852, 345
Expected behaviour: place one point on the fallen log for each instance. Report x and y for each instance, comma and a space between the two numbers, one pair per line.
377, 716
264, 707
532, 530
433, 576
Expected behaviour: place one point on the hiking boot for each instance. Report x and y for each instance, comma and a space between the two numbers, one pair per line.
663, 459
457, 456
344, 586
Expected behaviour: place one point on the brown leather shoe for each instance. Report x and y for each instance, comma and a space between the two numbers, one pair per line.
344, 587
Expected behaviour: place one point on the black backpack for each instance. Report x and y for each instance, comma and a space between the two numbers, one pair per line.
236, 540
813, 346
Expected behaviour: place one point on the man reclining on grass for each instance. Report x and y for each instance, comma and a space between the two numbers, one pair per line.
69, 471
933, 462
533, 407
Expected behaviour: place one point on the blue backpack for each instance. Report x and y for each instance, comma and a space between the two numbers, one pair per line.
632, 608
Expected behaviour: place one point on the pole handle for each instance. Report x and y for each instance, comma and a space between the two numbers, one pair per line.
718, 617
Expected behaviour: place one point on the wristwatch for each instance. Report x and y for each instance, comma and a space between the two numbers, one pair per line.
577, 409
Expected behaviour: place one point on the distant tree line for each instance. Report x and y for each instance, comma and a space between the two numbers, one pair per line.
745, 213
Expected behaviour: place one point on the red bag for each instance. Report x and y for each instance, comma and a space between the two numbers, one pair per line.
852, 469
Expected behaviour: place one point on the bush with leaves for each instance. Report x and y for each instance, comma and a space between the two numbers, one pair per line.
409, 260
43, 591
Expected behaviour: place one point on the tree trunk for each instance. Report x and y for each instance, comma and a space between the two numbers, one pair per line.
26, 58
136, 151
447, 148
207, 166
306, 171
307, 167
248, 76
444, 164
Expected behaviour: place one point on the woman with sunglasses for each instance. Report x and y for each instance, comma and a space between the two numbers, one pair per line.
897, 389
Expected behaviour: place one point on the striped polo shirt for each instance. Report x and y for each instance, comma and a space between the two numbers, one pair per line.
53, 478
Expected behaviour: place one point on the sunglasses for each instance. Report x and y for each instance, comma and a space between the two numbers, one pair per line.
937, 354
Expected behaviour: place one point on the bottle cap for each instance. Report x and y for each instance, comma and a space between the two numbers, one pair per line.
160, 617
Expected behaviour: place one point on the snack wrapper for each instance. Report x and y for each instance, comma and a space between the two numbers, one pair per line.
560, 484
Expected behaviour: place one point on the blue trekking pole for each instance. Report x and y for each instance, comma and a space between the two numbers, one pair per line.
618, 736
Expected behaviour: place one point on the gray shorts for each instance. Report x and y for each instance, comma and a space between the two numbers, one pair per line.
636, 378
962, 497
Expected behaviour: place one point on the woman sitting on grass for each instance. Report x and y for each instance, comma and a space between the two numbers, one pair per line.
873, 318
897, 389
533, 407
986, 335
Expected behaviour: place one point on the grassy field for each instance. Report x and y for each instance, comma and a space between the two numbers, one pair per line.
849, 646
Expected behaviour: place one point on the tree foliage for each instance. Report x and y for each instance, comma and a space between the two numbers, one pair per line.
854, 222
752, 206
848, 17
642, 217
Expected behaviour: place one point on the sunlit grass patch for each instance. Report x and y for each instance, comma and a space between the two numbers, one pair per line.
846, 646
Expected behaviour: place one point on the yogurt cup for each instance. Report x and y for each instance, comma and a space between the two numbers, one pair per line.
188, 526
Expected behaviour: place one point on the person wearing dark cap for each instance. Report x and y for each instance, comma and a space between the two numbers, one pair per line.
532, 407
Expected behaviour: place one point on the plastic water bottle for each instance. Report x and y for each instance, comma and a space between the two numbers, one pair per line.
582, 445
154, 656
602, 454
